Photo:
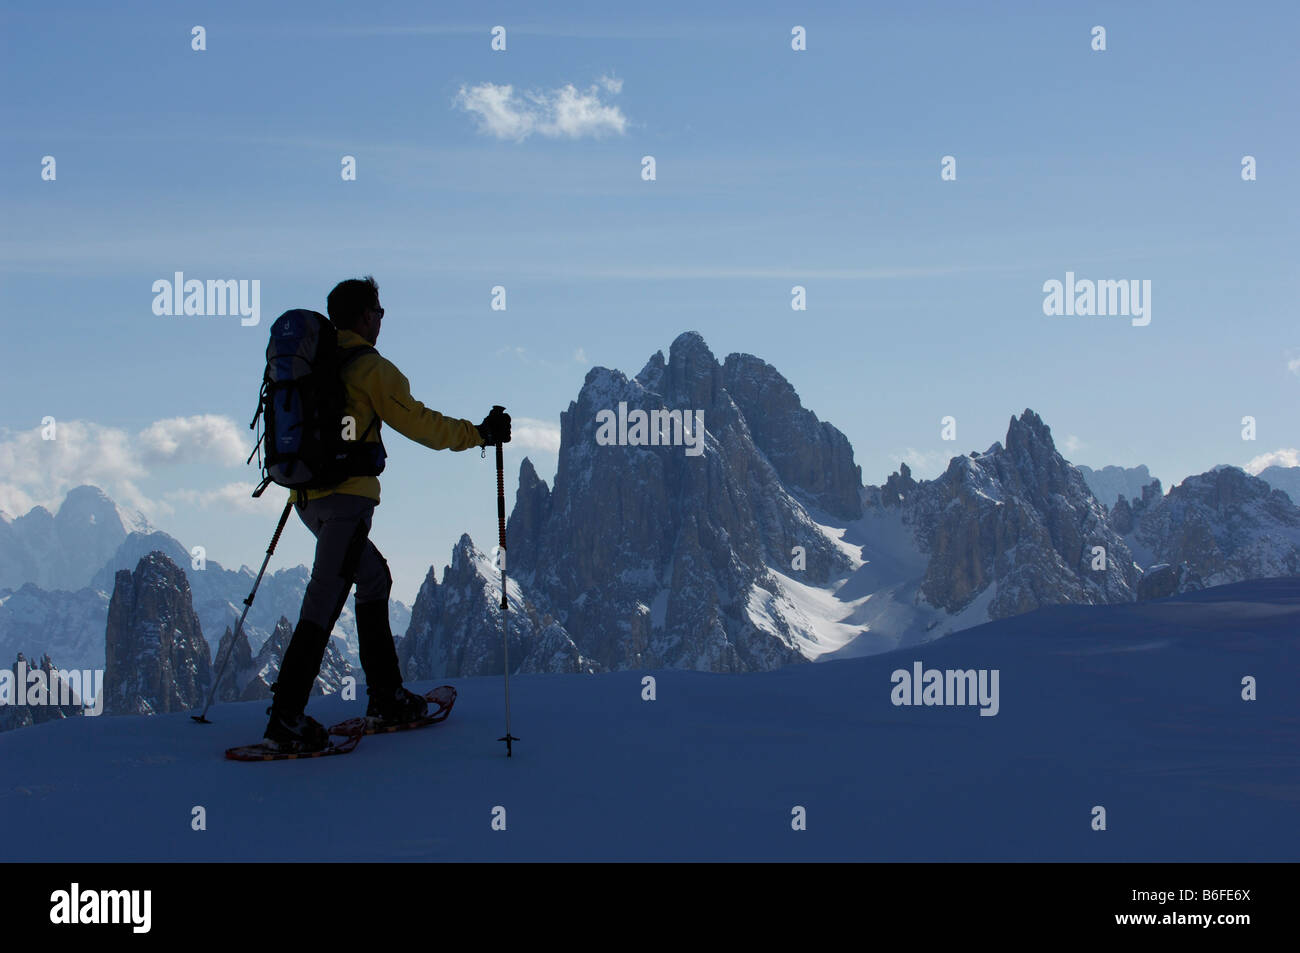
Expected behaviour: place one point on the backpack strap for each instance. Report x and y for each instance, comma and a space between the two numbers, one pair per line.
351, 355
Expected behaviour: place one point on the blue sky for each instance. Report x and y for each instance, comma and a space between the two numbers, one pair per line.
774, 168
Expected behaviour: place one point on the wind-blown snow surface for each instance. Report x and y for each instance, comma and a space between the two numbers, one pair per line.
1135, 707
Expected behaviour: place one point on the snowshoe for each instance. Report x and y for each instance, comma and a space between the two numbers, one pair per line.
440, 699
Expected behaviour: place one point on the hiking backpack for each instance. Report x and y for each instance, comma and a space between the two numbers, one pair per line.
302, 403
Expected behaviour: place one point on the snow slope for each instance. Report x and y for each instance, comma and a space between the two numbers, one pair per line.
1133, 707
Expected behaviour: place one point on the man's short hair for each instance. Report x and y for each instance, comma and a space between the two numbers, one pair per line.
349, 301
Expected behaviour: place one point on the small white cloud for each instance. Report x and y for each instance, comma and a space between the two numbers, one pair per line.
528, 433
1277, 458
1072, 444
560, 113
580, 355
498, 112
205, 438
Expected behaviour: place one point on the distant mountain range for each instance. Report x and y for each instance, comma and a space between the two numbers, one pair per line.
66, 618
64, 550
767, 549
1286, 479
763, 549
1110, 483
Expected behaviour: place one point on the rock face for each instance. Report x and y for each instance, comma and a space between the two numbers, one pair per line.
812, 458
1223, 526
1015, 525
265, 668
219, 593
156, 659
456, 627
652, 547
649, 556
1123, 515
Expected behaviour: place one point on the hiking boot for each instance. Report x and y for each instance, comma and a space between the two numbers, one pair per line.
397, 708
295, 733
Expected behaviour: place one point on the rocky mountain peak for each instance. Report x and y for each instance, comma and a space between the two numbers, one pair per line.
456, 628
1027, 432
156, 659
622, 551
1016, 526
651, 376
85, 505
1222, 489
1214, 528
465, 558
694, 379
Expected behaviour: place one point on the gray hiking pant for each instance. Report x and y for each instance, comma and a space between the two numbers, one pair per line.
344, 554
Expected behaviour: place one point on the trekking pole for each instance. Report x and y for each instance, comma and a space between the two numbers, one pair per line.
501, 542
248, 604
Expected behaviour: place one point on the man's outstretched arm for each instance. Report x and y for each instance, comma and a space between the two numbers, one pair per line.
390, 393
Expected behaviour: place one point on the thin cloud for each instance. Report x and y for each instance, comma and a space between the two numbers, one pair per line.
1277, 458
569, 31
563, 113
232, 496
785, 273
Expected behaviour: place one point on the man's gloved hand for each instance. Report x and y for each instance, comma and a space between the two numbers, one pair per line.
495, 428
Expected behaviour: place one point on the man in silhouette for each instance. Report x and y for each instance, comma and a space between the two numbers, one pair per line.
339, 517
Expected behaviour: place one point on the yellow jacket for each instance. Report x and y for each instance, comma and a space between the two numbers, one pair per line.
375, 386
